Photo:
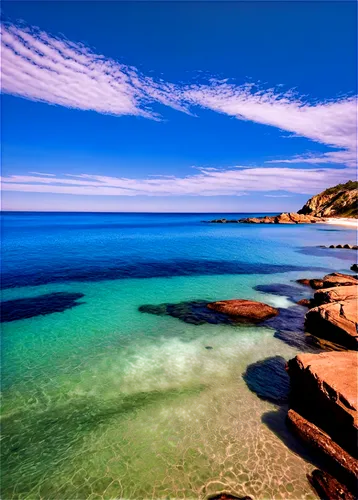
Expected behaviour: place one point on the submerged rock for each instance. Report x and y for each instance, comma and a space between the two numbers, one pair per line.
283, 290
194, 312
324, 389
269, 379
199, 312
244, 310
41, 305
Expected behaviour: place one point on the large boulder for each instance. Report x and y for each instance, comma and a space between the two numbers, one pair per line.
336, 322
335, 294
246, 310
324, 390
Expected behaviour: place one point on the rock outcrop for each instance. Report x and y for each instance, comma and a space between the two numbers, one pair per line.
324, 390
337, 201
246, 310
328, 488
335, 294
339, 279
329, 281
284, 218
339, 461
336, 322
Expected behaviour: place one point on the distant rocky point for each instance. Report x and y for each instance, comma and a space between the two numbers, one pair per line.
337, 201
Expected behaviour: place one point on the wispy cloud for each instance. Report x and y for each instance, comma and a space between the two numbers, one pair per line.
41, 67
331, 123
208, 182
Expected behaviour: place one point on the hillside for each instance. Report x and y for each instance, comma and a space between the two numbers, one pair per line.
337, 201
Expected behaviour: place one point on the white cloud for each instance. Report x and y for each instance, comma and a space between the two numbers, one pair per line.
41, 67
208, 182
331, 123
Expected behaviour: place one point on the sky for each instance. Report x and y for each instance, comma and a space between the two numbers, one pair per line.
176, 106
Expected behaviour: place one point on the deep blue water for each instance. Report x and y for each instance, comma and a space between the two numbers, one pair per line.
41, 248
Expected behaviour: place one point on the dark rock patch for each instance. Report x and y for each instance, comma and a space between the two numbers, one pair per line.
293, 292
268, 379
342, 254
195, 312
289, 319
299, 340
227, 496
86, 272
12, 310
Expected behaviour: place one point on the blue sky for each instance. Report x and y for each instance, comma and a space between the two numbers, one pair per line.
176, 106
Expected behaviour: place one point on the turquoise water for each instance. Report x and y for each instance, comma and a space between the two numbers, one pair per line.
103, 401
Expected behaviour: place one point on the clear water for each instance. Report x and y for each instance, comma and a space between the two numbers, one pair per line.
102, 401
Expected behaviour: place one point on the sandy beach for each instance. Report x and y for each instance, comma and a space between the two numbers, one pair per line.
353, 223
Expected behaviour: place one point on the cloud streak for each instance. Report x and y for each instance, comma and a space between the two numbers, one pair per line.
41, 67
236, 181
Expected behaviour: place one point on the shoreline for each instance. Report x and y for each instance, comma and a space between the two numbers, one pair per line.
353, 223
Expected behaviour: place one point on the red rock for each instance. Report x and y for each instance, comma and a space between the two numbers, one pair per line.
341, 463
335, 294
324, 390
328, 488
304, 302
339, 279
336, 322
283, 218
304, 281
316, 284
247, 310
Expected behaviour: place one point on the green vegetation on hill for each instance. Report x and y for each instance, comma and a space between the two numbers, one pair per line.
348, 186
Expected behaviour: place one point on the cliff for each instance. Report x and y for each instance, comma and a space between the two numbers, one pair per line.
337, 201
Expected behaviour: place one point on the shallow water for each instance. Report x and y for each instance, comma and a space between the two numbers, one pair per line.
103, 401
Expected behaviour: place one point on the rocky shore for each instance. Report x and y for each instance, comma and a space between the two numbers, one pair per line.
320, 388
324, 387
333, 204
284, 218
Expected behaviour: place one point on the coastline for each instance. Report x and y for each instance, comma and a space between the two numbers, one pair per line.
344, 221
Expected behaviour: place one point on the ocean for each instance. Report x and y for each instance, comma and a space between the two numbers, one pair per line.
102, 400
